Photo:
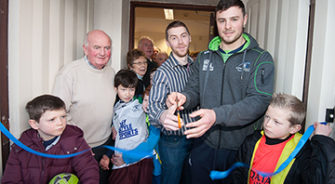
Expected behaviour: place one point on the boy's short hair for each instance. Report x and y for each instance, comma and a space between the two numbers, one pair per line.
133, 55
226, 4
126, 78
174, 24
293, 104
39, 105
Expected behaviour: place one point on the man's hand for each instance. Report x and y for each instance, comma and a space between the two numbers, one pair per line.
322, 129
104, 162
169, 120
174, 97
198, 128
117, 159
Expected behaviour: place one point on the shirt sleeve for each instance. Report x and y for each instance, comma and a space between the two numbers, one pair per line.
157, 98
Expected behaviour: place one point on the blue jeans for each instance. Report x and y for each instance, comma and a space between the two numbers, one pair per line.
173, 151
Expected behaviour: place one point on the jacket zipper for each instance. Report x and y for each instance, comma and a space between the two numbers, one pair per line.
262, 75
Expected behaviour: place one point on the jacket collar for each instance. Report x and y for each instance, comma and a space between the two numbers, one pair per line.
214, 44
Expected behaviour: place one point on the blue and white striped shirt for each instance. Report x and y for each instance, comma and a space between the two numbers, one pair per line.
169, 77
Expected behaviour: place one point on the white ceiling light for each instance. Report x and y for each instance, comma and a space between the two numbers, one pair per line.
168, 14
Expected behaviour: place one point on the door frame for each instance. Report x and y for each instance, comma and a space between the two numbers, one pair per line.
308, 61
4, 112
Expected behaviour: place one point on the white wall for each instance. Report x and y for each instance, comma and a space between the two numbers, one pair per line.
113, 18
322, 83
284, 34
46, 34
43, 36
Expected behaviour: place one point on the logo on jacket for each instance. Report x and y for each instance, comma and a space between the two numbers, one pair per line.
126, 131
205, 65
245, 66
137, 107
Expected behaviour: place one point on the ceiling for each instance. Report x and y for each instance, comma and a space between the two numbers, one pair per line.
153, 20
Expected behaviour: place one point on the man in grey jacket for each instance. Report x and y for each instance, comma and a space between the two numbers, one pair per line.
233, 83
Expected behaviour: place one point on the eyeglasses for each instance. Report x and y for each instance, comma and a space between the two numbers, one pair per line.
141, 63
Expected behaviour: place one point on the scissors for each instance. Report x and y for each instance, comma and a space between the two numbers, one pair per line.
178, 114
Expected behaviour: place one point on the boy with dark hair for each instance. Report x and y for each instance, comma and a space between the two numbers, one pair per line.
266, 150
50, 134
129, 123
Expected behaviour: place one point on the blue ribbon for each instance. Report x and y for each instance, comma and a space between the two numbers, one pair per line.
129, 153
216, 175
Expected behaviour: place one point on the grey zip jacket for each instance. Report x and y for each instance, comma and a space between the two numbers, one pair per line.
238, 88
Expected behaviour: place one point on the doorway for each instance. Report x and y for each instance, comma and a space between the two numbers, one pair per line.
148, 19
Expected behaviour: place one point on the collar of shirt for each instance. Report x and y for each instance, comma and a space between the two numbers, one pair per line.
176, 63
48, 144
89, 63
139, 77
232, 51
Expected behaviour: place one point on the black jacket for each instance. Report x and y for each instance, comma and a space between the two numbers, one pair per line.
313, 163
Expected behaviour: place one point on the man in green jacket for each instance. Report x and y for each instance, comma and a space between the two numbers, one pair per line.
233, 83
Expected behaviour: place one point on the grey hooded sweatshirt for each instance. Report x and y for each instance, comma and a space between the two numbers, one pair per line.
238, 87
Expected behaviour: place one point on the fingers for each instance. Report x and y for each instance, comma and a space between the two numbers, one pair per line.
197, 131
104, 166
322, 129
170, 121
197, 113
181, 100
172, 109
172, 99
200, 127
104, 162
117, 159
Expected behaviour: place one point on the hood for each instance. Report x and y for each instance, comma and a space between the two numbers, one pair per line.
214, 44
